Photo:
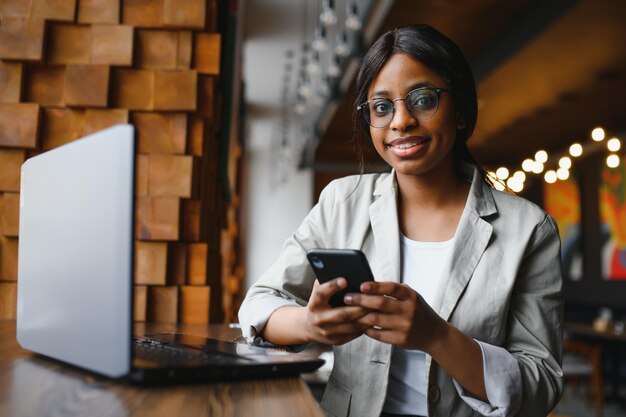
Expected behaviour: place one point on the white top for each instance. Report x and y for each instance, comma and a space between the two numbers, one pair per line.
422, 266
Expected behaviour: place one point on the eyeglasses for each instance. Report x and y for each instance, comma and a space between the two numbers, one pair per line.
422, 103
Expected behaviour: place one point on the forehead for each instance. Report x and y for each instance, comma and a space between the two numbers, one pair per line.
400, 74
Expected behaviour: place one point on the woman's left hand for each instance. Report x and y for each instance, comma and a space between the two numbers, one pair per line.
400, 315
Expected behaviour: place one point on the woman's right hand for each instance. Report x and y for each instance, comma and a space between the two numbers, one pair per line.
332, 325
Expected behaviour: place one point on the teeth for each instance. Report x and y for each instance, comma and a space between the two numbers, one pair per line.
405, 145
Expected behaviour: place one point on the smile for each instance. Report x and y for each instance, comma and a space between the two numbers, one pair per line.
408, 146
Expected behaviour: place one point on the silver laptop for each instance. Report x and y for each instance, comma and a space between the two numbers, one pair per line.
75, 274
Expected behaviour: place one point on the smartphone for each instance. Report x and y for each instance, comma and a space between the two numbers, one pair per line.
351, 264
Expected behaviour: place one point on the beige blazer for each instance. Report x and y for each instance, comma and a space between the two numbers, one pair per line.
503, 287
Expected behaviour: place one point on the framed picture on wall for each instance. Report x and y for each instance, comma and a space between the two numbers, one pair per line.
562, 201
612, 195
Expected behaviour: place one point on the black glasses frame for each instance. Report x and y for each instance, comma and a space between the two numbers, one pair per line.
364, 107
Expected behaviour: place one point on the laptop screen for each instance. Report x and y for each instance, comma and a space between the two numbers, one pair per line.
76, 252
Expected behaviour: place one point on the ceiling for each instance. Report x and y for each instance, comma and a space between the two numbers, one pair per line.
547, 72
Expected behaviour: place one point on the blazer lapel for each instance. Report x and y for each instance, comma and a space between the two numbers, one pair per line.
384, 220
472, 237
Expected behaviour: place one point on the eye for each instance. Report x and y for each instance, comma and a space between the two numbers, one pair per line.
422, 100
382, 107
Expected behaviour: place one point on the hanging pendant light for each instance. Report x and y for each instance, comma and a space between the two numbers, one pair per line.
328, 17
353, 21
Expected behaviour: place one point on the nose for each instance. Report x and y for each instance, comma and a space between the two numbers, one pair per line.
402, 119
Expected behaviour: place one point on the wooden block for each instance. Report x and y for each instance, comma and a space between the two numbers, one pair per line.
158, 218
61, 126
177, 263
171, 175
8, 259
184, 13
44, 84
69, 44
11, 161
175, 90
140, 302
194, 305
206, 96
157, 49
207, 53
150, 263
99, 11
19, 124
133, 89
143, 13
112, 45
164, 133
86, 85
8, 300
63, 10
192, 220
98, 119
142, 164
197, 257
10, 214
163, 304
185, 43
12, 8
195, 139
22, 38
10, 82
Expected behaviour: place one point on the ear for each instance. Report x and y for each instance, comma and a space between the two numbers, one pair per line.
460, 121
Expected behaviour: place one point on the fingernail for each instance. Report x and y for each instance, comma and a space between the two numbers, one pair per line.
341, 283
365, 287
347, 299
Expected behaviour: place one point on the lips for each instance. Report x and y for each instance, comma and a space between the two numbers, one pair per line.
408, 146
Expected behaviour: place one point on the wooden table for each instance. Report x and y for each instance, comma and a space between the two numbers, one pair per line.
31, 385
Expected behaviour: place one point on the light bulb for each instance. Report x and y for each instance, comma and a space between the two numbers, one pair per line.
319, 40
520, 175
324, 88
492, 175
576, 150
313, 67
612, 161
537, 167
528, 164
502, 173
341, 48
334, 69
515, 184
328, 16
353, 22
562, 173
541, 156
300, 107
614, 144
498, 185
550, 176
565, 162
598, 134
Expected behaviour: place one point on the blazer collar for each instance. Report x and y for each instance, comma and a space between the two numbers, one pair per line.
471, 239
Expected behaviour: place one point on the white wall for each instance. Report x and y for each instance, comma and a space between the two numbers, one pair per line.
275, 208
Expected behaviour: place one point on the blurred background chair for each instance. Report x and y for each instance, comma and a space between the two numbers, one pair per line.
583, 361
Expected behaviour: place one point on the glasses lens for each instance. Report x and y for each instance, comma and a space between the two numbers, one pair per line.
380, 112
422, 103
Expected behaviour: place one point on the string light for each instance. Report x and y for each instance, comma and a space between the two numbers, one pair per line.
550, 176
528, 165
612, 161
614, 144
576, 150
541, 156
328, 17
353, 22
565, 162
598, 134
562, 174
502, 173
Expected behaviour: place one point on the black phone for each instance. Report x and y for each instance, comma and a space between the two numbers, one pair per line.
329, 264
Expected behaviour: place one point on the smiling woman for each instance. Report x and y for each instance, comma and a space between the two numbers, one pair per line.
465, 312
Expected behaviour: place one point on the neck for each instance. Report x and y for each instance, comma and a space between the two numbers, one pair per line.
432, 190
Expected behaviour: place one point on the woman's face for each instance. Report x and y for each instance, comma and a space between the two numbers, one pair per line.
411, 145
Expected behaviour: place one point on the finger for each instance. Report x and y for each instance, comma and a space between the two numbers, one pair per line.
338, 315
382, 335
334, 330
391, 289
321, 293
374, 302
393, 322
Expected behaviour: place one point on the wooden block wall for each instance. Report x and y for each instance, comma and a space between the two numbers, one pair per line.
69, 68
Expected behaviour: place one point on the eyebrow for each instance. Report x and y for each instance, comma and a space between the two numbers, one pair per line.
385, 93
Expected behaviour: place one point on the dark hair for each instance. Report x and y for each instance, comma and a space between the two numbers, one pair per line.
427, 45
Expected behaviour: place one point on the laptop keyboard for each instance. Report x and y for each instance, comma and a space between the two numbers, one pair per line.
154, 350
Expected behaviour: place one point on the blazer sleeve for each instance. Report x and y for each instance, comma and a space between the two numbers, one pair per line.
535, 321
288, 282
